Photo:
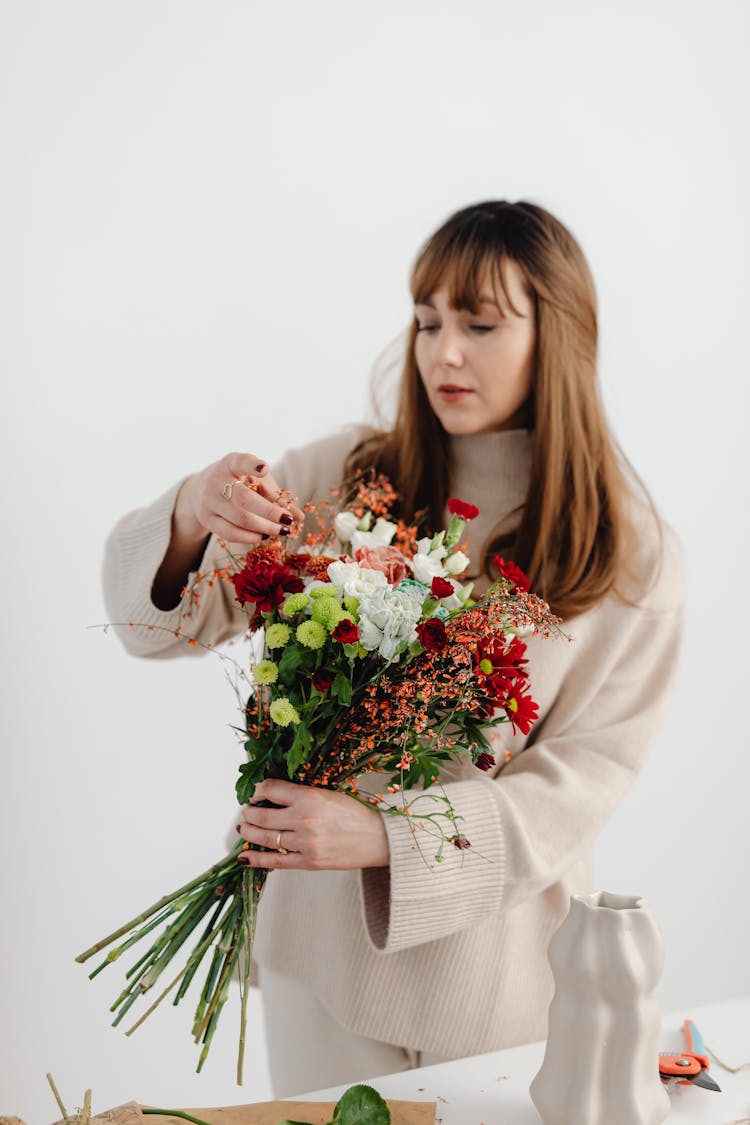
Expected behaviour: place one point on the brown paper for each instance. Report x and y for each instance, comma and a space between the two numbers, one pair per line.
128, 1114
272, 1113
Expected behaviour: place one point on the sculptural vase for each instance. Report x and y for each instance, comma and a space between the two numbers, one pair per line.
601, 1064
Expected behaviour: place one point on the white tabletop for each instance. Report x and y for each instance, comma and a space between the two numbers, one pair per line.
493, 1089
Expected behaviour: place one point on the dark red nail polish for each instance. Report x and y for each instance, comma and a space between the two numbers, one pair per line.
286, 519
283, 531
264, 536
259, 468
239, 826
243, 859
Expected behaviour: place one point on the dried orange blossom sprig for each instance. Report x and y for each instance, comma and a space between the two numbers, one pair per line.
375, 660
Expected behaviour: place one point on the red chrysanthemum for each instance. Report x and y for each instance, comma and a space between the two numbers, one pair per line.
485, 761
322, 680
441, 587
347, 632
460, 508
267, 585
521, 710
432, 634
512, 572
499, 658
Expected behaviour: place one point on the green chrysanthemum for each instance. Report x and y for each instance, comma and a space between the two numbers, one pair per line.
311, 634
266, 672
283, 712
352, 604
327, 590
294, 603
277, 635
328, 612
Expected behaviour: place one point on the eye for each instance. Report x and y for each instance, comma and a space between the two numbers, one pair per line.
427, 327
482, 328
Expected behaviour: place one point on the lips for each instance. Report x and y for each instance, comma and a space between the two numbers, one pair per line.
451, 392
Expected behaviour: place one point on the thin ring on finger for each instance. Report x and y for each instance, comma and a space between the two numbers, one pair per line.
279, 849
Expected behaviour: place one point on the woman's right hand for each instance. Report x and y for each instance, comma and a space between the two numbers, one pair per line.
218, 500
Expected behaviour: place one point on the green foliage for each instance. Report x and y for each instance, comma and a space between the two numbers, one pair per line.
359, 1105
341, 689
300, 749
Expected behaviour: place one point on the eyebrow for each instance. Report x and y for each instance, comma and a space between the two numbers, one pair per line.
482, 301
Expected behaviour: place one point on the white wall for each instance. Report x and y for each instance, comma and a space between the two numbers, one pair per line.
209, 213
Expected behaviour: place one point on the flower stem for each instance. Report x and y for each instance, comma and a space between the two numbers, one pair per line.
58, 1099
215, 869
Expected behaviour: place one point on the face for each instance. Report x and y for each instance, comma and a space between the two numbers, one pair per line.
477, 368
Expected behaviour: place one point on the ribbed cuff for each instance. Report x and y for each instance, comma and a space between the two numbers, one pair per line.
418, 899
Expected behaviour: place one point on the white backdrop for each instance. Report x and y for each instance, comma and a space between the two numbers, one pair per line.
209, 213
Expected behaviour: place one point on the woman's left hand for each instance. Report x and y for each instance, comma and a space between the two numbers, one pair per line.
318, 829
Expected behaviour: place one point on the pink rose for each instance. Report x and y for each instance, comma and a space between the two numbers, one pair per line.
388, 560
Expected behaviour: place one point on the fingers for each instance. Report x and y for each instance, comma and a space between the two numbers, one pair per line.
250, 500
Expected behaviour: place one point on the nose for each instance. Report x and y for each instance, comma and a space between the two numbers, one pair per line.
449, 348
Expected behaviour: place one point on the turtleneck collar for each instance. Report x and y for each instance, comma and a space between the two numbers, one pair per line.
492, 471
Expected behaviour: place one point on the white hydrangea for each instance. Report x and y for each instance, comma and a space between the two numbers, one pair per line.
352, 580
388, 620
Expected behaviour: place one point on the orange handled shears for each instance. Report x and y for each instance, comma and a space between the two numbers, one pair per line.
690, 1067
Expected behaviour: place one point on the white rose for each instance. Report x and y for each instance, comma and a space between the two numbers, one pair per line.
457, 562
345, 525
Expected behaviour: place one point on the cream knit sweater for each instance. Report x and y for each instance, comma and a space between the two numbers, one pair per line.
451, 958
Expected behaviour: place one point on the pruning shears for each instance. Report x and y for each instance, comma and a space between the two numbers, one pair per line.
689, 1067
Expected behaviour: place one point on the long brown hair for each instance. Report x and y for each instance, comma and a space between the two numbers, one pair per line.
573, 532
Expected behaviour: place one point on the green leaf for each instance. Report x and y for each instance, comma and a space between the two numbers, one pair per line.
342, 689
361, 1105
299, 751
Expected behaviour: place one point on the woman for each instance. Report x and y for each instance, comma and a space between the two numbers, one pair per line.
371, 961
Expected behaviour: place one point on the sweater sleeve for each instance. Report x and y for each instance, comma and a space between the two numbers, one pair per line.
531, 823
137, 544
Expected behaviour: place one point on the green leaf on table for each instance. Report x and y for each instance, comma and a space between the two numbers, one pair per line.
361, 1105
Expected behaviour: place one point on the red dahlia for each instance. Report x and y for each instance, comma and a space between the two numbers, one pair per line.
267, 585
485, 761
460, 508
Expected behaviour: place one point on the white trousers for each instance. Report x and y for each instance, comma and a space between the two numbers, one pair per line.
308, 1049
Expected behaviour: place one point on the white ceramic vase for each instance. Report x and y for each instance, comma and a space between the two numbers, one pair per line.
601, 1064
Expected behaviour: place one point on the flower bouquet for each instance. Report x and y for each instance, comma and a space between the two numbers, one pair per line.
375, 659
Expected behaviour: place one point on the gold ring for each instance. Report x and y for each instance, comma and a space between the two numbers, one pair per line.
279, 849
228, 490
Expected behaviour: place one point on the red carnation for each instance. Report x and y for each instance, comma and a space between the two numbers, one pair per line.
485, 761
347, 632
432, 634
521, 710
322, 680
441, 587
460, 508
512, 572
266, 585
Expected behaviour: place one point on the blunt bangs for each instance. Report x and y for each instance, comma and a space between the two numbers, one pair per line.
464, 255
